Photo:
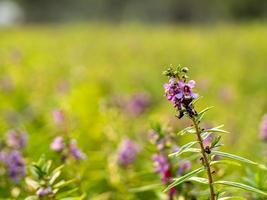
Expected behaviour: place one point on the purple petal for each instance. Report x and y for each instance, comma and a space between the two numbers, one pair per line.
194, 95
181, 84
179, 95
191, 83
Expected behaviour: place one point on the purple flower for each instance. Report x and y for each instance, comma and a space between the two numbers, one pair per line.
127, 153
16, 140
16, 165
41, 192
163, 167
75, 151
207, 141
161, 163
58, 116
137, 104
184, 166
57, 144
181, 94
263, 128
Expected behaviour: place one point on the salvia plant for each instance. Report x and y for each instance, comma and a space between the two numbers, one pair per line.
45, 182
167, 167
63, 144
180, 92
11, 154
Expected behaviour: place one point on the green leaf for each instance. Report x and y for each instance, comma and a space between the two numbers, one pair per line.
187, 130
47, 166
63, 183
191, 150
32, 198
234, 198
227, 162
241, 186
202, 113
199, 180
32, 183
196, 100
145, 188
216, 130
54, 177
235, 157
184, 178
183, 148
66, 193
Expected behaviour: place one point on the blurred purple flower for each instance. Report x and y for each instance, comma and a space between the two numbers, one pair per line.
16, 140
127, 153
263, 128
138, 103
161, 163
75, 151
41, 192
57, 144
16, 165
226, 94
184, 165
207, 141
58, 116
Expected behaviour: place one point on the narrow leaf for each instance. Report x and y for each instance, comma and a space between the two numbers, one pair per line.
235, 157
241, 186
202, 113
199, 180
216, 130
233, 198
145, 188
183, 148
184, 178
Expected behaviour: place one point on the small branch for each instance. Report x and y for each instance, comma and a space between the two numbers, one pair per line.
205, 159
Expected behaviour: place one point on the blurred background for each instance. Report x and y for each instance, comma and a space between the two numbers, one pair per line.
101, 61
169, 11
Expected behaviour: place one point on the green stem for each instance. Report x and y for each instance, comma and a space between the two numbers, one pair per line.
205, 159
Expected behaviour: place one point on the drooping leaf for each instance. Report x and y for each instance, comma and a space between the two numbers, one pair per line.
183, 148
241, 186
184, 178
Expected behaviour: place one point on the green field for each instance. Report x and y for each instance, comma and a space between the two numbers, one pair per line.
79, 68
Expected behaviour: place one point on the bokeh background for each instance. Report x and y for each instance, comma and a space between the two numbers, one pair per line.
88, 57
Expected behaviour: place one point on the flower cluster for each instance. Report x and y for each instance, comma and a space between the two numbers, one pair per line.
163, 164
180, 92
263, 128
127, 152
67, 148
65, 145
133, 105
11, 154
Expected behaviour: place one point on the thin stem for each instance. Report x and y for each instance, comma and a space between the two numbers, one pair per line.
205, 159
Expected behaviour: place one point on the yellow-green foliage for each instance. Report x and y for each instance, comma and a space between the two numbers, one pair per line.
228, 62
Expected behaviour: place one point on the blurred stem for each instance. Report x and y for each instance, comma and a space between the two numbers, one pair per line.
205, 159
